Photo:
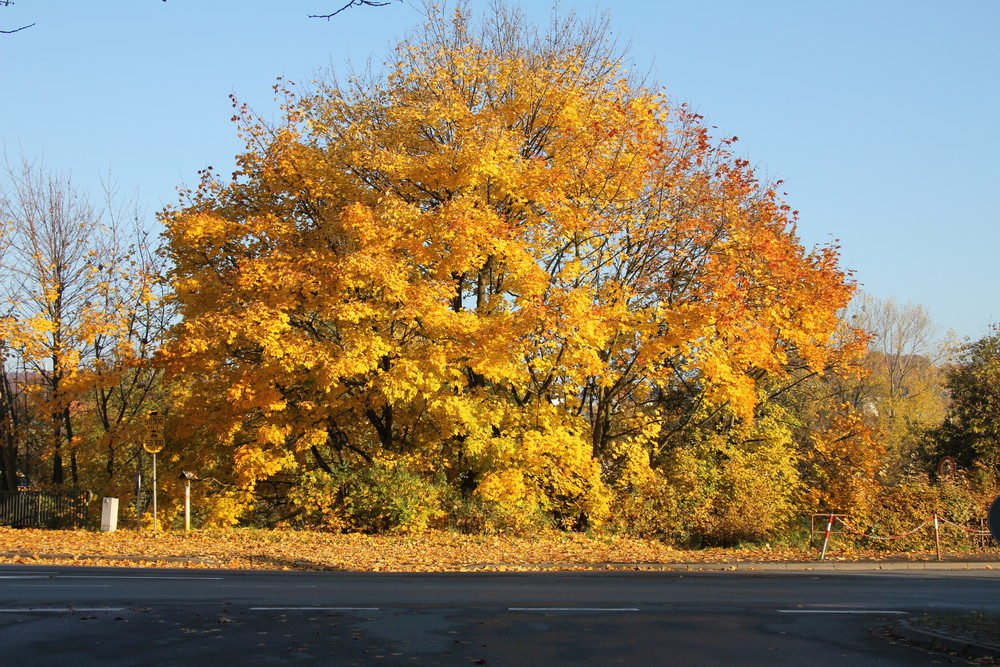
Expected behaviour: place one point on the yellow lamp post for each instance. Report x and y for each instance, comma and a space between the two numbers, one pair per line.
153, 444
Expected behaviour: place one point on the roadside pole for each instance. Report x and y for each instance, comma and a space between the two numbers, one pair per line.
156, 526
188, 477
138, 489
153, 445
826, 538
937, 537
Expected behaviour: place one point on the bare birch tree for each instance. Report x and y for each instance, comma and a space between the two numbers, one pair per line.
80, 283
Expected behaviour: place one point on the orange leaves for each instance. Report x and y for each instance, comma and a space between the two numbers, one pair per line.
844, 461
311, 550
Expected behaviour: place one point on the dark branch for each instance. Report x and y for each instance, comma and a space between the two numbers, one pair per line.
352, 3
8, 3
11, 32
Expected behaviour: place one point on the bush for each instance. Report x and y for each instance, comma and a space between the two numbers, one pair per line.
904, 506
384, 497
472, 513
718, 491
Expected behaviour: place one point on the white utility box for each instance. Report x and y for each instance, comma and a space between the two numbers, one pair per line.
109, 515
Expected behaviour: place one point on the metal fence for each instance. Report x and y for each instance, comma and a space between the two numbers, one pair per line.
44, 509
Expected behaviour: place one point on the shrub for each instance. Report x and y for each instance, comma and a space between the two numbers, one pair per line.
384, 497
915, 499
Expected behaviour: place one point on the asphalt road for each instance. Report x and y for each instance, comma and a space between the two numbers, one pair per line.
108, 617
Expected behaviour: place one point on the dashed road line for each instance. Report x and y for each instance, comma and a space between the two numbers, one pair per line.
843, 611
260, 586
607, 609
128, 576
48, 585
57, 610
315, 608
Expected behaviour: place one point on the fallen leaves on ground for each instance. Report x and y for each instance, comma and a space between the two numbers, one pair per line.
433, 552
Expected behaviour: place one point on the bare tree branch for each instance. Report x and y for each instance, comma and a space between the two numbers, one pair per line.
352, 3
8, 3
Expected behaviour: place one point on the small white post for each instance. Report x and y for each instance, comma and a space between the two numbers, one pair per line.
187, 506
138, 493
188, 477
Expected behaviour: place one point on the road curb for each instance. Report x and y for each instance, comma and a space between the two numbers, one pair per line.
940, 642
796, 566
783, 566
125, 559
867, 565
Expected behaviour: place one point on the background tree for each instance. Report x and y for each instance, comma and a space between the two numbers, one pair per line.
13, 409
971, 430
82, 313
9, 425
120, 384
902, 393
864, 426
51, 281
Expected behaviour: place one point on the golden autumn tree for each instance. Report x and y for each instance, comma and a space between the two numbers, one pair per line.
504, 267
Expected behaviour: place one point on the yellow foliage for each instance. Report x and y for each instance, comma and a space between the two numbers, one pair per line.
225, 509
508, 493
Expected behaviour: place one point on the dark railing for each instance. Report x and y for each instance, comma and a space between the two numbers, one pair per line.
44, 509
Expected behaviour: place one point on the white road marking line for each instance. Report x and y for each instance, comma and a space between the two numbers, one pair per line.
23, 576
258, 586
57, 610
572, 609
314, 608
129, 576
60, 585
842, 611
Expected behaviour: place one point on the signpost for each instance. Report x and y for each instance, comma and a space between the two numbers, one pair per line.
153, 444
946, 468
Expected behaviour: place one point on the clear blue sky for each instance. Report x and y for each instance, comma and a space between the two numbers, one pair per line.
881, 116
